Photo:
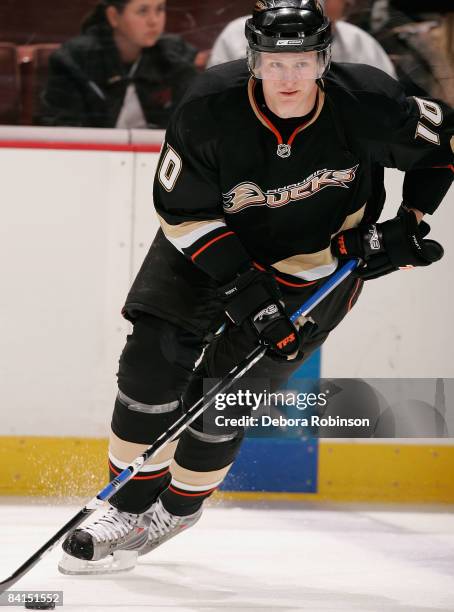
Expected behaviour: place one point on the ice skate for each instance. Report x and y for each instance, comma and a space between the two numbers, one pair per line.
163, 525
109, 544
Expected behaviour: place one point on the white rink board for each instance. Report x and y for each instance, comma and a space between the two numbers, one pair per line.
145, 220
65, 248
402, 325
75, 228
263, 560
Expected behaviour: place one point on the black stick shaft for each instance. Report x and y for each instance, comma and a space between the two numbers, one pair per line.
174, 430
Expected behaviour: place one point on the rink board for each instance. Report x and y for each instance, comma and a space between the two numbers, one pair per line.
279, 466
345, 470
88, 197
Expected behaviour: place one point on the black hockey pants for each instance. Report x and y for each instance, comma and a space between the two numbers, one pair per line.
157, 381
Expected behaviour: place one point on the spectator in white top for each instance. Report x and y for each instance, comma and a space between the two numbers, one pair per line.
350, 44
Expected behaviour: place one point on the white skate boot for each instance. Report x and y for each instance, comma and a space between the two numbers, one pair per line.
109, 544
163, 525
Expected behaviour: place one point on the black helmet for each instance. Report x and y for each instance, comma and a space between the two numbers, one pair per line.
288, 25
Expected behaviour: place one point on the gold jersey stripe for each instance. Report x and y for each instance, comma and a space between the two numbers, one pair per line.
298, 265
185, 234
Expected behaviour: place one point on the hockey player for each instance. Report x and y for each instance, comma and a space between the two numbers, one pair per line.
271, 172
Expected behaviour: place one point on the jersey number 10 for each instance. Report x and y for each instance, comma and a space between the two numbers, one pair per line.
433, 113
170, 169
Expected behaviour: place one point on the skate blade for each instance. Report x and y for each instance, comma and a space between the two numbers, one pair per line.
119, 561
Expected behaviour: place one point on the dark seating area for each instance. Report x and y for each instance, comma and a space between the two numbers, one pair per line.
9, 84
33, 61
34, 29
52, 21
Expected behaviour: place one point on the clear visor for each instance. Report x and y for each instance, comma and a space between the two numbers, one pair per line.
289, 66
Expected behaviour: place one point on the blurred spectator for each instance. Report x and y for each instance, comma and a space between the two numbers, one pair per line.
359, 13
121, 71
418, 37
449, 37
350, 44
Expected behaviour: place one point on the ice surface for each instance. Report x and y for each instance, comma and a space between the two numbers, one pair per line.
243, 558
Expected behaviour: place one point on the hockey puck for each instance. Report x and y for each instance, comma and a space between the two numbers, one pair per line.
40, 605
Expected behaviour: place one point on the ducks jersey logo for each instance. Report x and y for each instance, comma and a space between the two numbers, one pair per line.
249, 194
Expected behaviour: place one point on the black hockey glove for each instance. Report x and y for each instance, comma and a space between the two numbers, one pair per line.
253, 299
389, 246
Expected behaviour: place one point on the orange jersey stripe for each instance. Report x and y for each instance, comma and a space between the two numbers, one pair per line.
208, 244
355, 291
282, 281
448, 167
298, 285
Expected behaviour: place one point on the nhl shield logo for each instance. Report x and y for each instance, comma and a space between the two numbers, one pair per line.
284, 150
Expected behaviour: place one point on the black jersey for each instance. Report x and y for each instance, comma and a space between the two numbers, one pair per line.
231, 189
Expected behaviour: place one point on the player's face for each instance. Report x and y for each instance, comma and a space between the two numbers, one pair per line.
141, 22
289, 83
289, 66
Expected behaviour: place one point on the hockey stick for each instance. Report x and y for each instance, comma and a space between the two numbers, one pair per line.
174, 431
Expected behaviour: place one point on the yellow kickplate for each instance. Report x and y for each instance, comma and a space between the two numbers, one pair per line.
386, 472
58, 467
74, 467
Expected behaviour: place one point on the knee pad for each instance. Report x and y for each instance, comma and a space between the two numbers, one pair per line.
157, 361
142, 423
202, 452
